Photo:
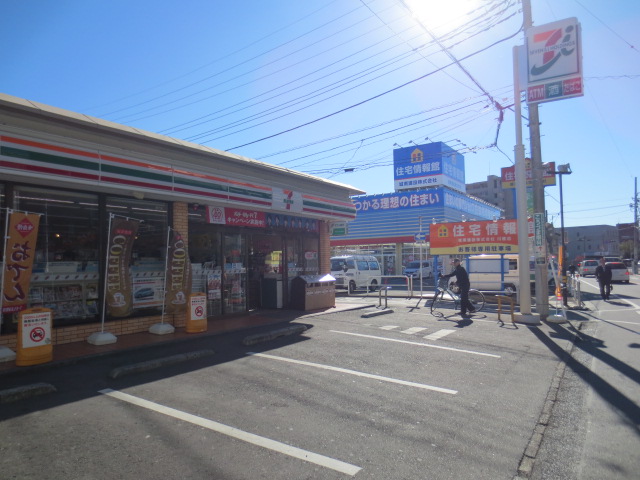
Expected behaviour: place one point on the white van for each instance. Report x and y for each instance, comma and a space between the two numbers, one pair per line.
356, 271
485, 273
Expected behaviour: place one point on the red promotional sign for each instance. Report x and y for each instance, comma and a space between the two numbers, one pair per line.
20, 247
509, 174
471, 238
236, 217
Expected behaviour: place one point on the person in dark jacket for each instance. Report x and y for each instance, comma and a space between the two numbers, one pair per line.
462, 279
603, 275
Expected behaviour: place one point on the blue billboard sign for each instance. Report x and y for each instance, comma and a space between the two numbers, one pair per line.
429, 165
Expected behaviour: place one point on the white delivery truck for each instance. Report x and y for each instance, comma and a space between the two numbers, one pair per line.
356, 271
501, 273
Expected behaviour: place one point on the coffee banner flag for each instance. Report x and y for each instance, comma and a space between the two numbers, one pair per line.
20, 250
178, 282
119, 289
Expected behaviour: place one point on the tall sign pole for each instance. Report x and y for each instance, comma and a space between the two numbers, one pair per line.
524, 292
542, 296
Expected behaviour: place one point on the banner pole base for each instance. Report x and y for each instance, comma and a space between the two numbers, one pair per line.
6, 354
527, 318
161, 329
102, 338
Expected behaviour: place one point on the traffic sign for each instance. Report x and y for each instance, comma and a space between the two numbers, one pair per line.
420, 237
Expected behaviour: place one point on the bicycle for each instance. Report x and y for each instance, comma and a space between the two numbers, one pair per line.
452, 300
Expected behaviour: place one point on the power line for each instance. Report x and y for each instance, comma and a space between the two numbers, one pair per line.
370, 98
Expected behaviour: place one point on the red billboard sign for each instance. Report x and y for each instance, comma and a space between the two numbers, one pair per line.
475, 237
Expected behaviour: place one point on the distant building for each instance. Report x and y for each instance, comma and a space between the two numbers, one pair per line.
491, 191
429, 183
591, 240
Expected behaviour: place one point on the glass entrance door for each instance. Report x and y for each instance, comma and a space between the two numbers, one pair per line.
266, 271
234, 282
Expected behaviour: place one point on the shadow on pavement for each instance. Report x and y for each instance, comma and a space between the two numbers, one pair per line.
627, 409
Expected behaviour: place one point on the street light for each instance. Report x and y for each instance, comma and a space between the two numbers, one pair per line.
563, 170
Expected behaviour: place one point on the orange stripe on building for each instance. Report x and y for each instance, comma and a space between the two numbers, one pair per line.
218, 179
29, 143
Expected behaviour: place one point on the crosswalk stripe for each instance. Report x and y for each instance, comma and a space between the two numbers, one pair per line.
411, 331
389, 327
439, 334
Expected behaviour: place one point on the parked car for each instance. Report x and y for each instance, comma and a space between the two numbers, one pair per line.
613, 259
619, 272
413, 269
588, 267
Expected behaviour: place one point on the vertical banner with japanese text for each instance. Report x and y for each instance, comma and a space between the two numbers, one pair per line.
19, 253
119, 296
178, 273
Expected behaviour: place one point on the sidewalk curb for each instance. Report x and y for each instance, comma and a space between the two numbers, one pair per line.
376, 313
25, 391
157, 363
281, 332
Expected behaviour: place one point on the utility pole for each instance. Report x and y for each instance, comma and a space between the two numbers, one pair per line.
635, 227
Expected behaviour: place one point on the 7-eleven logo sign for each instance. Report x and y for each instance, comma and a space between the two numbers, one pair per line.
287, 200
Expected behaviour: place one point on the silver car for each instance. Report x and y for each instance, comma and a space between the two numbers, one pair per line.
619, 272
588, 267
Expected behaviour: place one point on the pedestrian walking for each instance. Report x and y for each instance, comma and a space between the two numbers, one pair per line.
462, 280
603, 275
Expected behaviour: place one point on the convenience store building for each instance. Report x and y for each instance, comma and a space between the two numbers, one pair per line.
247, 224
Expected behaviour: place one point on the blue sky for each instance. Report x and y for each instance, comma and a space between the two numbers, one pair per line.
326, 85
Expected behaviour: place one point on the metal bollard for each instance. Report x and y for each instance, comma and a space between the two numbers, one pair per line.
386, 289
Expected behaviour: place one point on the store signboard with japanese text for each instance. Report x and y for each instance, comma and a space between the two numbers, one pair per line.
240, 217
509, 175
430, 165
472, 238
430, 197
554, 61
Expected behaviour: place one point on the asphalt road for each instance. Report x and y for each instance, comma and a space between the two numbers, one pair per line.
403, 395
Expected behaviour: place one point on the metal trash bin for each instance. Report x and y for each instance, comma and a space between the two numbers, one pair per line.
312, 292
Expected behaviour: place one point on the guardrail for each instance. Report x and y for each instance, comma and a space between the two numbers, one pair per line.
574, 282
395, 286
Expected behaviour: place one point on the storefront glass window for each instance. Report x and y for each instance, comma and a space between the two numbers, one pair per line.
234, 282
311, 262
149, 250
65, 272
3, 212
206, 265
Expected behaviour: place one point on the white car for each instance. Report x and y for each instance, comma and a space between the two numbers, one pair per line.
619, 272
588, 267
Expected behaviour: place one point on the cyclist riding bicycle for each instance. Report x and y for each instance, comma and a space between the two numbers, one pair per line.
462, 280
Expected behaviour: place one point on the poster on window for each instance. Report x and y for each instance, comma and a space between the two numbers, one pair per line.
178, 275
214, 286
20, 248
119, 293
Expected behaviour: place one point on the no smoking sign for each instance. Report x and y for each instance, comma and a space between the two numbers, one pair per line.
198, 306
36, 328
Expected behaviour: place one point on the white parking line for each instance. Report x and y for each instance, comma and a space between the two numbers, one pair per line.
355, 372
439, 334
283, 448
411, 331
418, 344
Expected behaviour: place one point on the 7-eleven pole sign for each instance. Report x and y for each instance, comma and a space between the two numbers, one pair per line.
554, 61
